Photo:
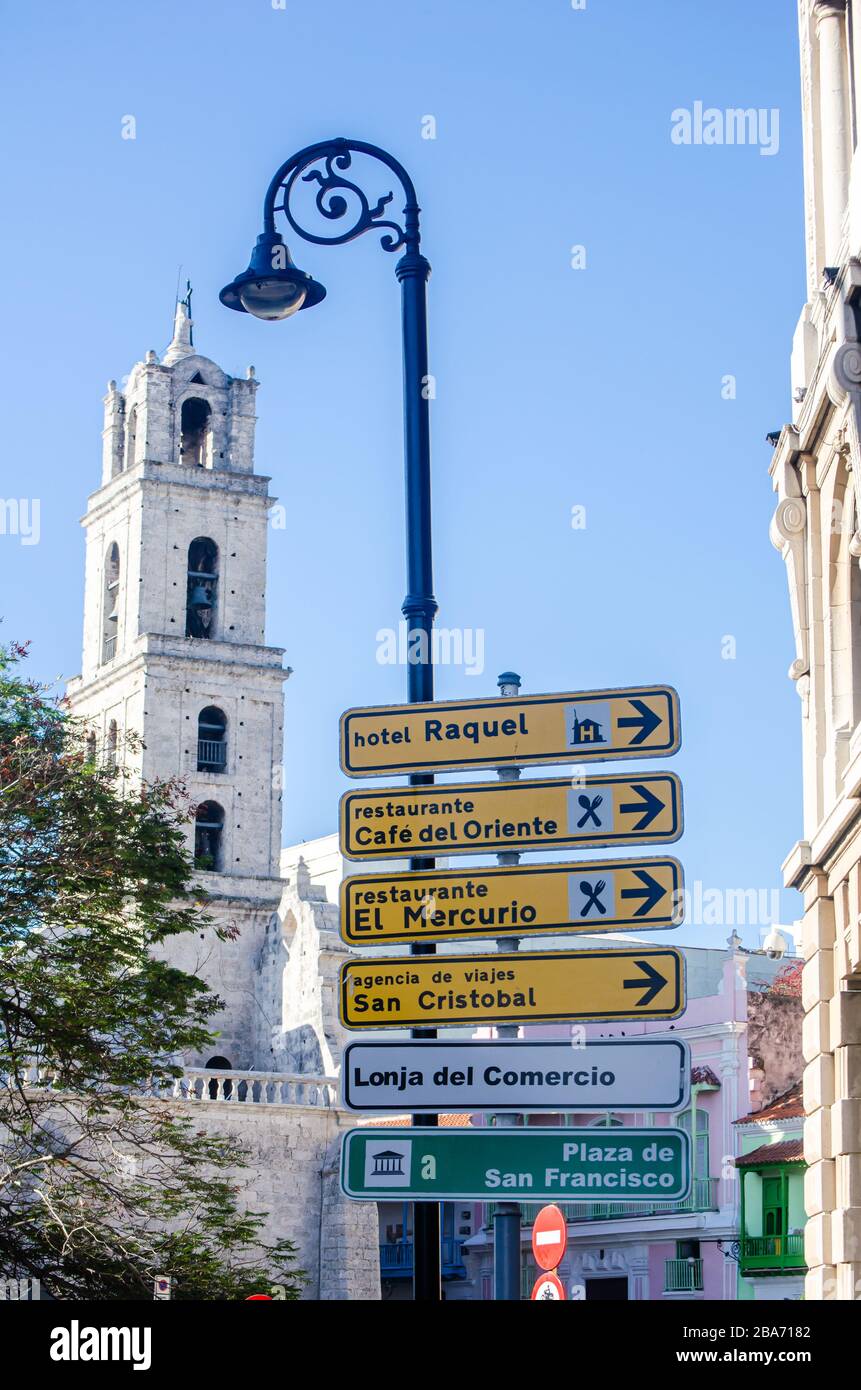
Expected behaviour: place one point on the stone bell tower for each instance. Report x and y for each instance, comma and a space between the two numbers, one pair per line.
174, 643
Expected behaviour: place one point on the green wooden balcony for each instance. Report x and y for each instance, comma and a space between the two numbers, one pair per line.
772, 1254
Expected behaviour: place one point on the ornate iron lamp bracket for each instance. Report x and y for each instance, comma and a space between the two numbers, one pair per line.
338, 197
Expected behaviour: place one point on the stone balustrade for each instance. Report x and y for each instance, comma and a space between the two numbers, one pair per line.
254, 1088
205, 1084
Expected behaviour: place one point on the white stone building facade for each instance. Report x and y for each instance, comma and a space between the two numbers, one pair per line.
174, 653
817, 528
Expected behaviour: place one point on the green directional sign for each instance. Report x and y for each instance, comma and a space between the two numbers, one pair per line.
624, 1165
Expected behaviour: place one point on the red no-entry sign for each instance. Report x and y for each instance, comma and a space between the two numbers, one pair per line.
549, 1238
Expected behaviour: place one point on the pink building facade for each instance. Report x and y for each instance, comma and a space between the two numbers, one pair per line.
744, 1037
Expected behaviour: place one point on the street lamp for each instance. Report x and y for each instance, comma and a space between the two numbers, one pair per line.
272, 288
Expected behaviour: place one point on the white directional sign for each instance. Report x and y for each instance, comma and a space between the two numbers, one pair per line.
517, 1075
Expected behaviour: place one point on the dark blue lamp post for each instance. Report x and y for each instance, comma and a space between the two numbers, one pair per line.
274, 288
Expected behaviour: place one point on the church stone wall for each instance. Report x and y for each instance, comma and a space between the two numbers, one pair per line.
293, 1175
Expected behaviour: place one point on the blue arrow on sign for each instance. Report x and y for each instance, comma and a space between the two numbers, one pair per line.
651, 892
650, 805
645, 720
651, 980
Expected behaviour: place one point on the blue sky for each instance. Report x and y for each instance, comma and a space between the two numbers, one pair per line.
556, 388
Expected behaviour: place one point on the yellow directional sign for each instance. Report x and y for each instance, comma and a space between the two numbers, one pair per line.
525, 900
542, 986
469, 817
642, 722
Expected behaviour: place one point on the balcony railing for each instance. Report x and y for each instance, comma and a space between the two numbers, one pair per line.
203, 1085
109, 648
683, 1276
777, 1253
702, 1197
396, 1259
211, 755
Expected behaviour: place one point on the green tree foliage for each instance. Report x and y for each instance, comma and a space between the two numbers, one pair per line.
104, 1183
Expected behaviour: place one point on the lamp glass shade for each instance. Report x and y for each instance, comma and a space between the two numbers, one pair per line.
277, 298
272, 287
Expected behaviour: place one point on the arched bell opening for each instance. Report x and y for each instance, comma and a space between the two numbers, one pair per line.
195, 439
131, 438
202, 588
111, 603
211, 740
208, 832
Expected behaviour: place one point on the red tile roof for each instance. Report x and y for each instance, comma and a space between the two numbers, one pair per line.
789, 1106
704, 1076
787, 1151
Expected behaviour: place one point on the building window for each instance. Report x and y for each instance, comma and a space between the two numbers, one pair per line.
111, 747
773, 1206
111, 603
195, 444
699, 1141
202, 587
211, 740
208, 830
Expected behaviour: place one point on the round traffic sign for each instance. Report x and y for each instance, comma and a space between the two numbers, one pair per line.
549, 1238
548, 1286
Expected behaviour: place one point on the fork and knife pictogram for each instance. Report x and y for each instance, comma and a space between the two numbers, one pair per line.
592, 895
590, 806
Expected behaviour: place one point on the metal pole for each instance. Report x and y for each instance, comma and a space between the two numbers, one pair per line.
506, 1221
418, 609
419, 606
